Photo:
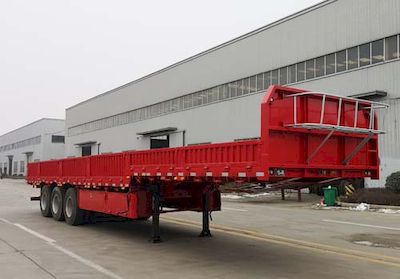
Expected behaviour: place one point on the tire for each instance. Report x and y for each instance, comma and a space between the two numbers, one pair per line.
73, 214
45, 199
57, 203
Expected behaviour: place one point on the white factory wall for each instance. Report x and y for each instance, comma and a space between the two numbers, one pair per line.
329, 27
323, 29
41, 148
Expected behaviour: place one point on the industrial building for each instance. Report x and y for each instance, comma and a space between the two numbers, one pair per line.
346, 47
38, 141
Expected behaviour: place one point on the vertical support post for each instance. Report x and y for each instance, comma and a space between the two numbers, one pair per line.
321, 120
299, 194
206, 215
295, 110
371, 118
155, 234
283, 194
356, 115
339, 112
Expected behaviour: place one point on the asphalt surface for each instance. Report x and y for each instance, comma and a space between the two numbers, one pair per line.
258, 239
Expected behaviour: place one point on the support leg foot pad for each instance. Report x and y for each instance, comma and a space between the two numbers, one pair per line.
155, 240
205, 234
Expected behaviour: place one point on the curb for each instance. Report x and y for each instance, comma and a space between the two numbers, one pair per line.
372, 206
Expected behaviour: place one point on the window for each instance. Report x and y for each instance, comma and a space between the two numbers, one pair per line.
330, 64
57, 139
22, 167
198, 99
391, 49
86, 150
233, 89
260, 82
310, 69
283, 75
352, 58
292, 74
267, 79
225, 92
365, 55
301, 71
253, 84
377, 51
320, 66
341, 61
246, 86
274, 77
220, 89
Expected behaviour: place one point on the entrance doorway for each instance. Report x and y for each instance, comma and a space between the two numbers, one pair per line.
86, 150
159, 142
10, 163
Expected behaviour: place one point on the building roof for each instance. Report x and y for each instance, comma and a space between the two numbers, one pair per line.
34, 122
237, 39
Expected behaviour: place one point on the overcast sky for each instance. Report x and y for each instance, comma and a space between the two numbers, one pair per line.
56, 53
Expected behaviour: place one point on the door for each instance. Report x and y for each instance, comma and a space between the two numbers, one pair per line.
86, 150
159, 142
10, 163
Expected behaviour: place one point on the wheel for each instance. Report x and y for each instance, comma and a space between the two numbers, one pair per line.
73, 214
57, 197
45, 195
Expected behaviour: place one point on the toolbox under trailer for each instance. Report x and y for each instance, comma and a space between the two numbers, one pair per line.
305, 137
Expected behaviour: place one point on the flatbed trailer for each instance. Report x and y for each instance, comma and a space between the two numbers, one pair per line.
305, 137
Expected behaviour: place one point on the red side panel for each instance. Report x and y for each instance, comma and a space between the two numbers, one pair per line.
119, 204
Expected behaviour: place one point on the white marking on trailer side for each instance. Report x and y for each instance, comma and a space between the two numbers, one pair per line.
158, 174
135, 174
260, 174
242, 174
180, 173
169, 174
193, 174
209, 174
225, 174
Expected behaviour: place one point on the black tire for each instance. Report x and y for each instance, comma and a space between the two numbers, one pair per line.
57, 203
45, 199
73, 214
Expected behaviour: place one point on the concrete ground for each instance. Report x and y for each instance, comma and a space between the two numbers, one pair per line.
250, 240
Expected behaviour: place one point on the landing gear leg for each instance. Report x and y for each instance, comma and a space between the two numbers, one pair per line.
206, 216
155, 235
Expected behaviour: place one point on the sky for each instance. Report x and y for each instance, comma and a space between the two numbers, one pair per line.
57, 53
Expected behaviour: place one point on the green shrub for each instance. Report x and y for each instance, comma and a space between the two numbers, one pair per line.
393, 182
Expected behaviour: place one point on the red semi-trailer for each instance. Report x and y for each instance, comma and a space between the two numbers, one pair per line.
305, 137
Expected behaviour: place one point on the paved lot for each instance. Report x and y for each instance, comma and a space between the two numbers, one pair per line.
251, 240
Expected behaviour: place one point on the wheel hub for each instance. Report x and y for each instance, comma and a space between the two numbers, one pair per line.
56, 204
68, 207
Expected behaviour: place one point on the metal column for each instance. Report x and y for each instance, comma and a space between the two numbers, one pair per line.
155, 235
206, 216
